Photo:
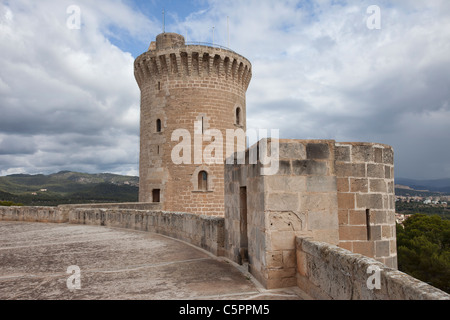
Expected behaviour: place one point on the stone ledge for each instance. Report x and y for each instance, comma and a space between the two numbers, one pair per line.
329, 272
206, 232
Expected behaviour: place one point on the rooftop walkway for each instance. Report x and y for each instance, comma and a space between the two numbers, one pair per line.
118, 264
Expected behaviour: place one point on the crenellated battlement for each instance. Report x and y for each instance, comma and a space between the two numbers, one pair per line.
181, 61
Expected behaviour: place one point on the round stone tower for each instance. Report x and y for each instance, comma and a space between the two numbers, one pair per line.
190, 96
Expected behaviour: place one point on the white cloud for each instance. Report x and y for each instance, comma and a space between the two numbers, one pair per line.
69, 98
318, 72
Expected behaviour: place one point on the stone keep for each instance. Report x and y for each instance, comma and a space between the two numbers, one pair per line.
338, 193
182, 85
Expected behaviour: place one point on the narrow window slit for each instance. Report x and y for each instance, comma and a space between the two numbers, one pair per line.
368, 223
158, 125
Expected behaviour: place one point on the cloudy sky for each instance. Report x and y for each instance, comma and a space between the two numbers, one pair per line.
69, 101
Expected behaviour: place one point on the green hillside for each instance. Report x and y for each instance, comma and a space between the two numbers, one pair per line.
67, 187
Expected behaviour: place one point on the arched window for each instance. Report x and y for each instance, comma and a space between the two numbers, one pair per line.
202, 181
158, 125
238, 116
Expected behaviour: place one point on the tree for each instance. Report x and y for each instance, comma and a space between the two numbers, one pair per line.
423, 248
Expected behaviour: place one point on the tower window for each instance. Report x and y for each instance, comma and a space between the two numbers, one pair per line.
158, 125
238, 116
156, 194
202, 125
159, 85
368, 224
202, 181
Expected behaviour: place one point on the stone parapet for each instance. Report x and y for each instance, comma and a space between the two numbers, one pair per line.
202, 231
33, 214
327, 272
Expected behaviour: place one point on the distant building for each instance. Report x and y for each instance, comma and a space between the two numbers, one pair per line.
400, 218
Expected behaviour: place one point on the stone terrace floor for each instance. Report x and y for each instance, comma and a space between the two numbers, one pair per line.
118, 264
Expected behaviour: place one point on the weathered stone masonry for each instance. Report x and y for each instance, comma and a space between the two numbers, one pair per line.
338, 193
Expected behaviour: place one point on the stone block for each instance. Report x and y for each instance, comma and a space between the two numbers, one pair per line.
301, 262
378, 216
365, 248
346, 200
280, 273
330, 236
375, 171
343, 217
292, 151
309, 167
352, 233
317, 151
387, 232
378, 155
387, 172
284, 167
390, 187
382, 248
292, 184
281, 240
369, 201
388, 156
342, 153
342, 185
358, 185
276, 283
274, 259
393, 244
321, 184
347, 245
375, 233
362, 153
322, 220
391, 205
289, 259
319, 202
285, 221
282, 202
377, 185
357, 217
350, 170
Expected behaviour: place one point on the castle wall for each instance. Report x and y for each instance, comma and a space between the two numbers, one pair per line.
300, 200
33, 214
338, 193
202, 231
327, 272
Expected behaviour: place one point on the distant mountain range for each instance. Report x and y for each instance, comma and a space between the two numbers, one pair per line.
439, 185
68, 187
